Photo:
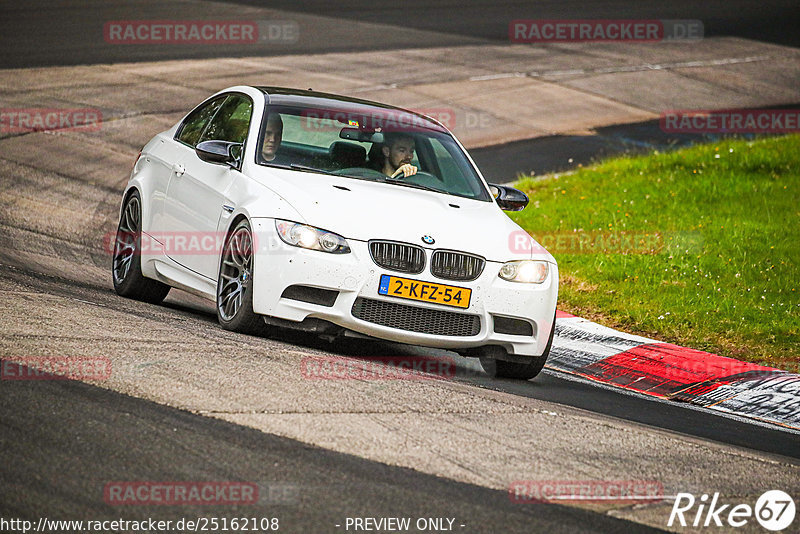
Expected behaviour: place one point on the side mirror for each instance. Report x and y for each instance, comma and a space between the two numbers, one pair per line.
219, 152
508, 198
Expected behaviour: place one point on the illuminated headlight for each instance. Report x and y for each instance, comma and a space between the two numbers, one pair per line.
304, 236
527, 271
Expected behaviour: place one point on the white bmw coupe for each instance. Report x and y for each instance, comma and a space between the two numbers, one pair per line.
333, 215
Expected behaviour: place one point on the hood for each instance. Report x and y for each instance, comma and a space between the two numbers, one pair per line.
363, 210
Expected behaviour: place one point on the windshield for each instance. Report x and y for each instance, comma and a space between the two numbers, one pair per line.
368, 146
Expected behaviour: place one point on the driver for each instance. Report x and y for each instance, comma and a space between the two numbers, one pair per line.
273, 134
398, 151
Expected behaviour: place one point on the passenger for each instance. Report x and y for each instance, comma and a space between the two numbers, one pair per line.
273, 134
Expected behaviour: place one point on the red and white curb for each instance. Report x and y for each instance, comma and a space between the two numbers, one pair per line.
667, 371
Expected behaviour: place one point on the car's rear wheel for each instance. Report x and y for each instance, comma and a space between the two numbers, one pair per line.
498, 368
235, 284
126, 266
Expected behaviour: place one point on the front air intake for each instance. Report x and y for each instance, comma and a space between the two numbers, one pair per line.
415, 318
312, 295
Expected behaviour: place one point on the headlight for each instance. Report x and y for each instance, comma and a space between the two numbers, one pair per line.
304, 236
527, 271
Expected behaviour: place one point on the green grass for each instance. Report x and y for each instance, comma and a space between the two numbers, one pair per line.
725, 275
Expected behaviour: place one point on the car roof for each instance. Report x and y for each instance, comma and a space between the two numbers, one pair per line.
285, 96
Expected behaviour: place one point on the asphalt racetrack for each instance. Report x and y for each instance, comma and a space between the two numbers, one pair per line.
188, 401
38, 33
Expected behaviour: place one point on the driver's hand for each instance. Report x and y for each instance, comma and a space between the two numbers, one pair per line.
406, 169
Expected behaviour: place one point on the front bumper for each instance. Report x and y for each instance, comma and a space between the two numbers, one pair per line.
355, 276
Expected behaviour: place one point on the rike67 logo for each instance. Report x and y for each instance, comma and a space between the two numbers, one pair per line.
774, 510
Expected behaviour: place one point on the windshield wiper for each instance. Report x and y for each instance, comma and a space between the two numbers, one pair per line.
411, 184
299, 167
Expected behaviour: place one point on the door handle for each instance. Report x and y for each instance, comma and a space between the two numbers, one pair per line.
178, 169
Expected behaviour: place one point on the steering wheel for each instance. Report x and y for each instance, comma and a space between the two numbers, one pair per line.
421, 174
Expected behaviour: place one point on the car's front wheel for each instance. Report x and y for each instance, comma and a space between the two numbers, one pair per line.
235, 284
126, 266
498, 368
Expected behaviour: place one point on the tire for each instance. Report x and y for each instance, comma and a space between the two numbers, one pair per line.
521, 371
126, 264
235, 283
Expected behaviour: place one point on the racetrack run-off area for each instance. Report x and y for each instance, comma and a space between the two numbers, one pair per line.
676, 373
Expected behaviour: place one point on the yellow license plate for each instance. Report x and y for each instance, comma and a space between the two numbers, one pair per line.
405, 288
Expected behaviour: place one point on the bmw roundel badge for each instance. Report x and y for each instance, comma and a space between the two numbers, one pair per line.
428, 240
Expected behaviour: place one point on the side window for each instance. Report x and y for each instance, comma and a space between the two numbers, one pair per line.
193, 126
231, 121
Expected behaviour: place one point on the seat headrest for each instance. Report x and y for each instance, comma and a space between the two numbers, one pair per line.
348, 154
